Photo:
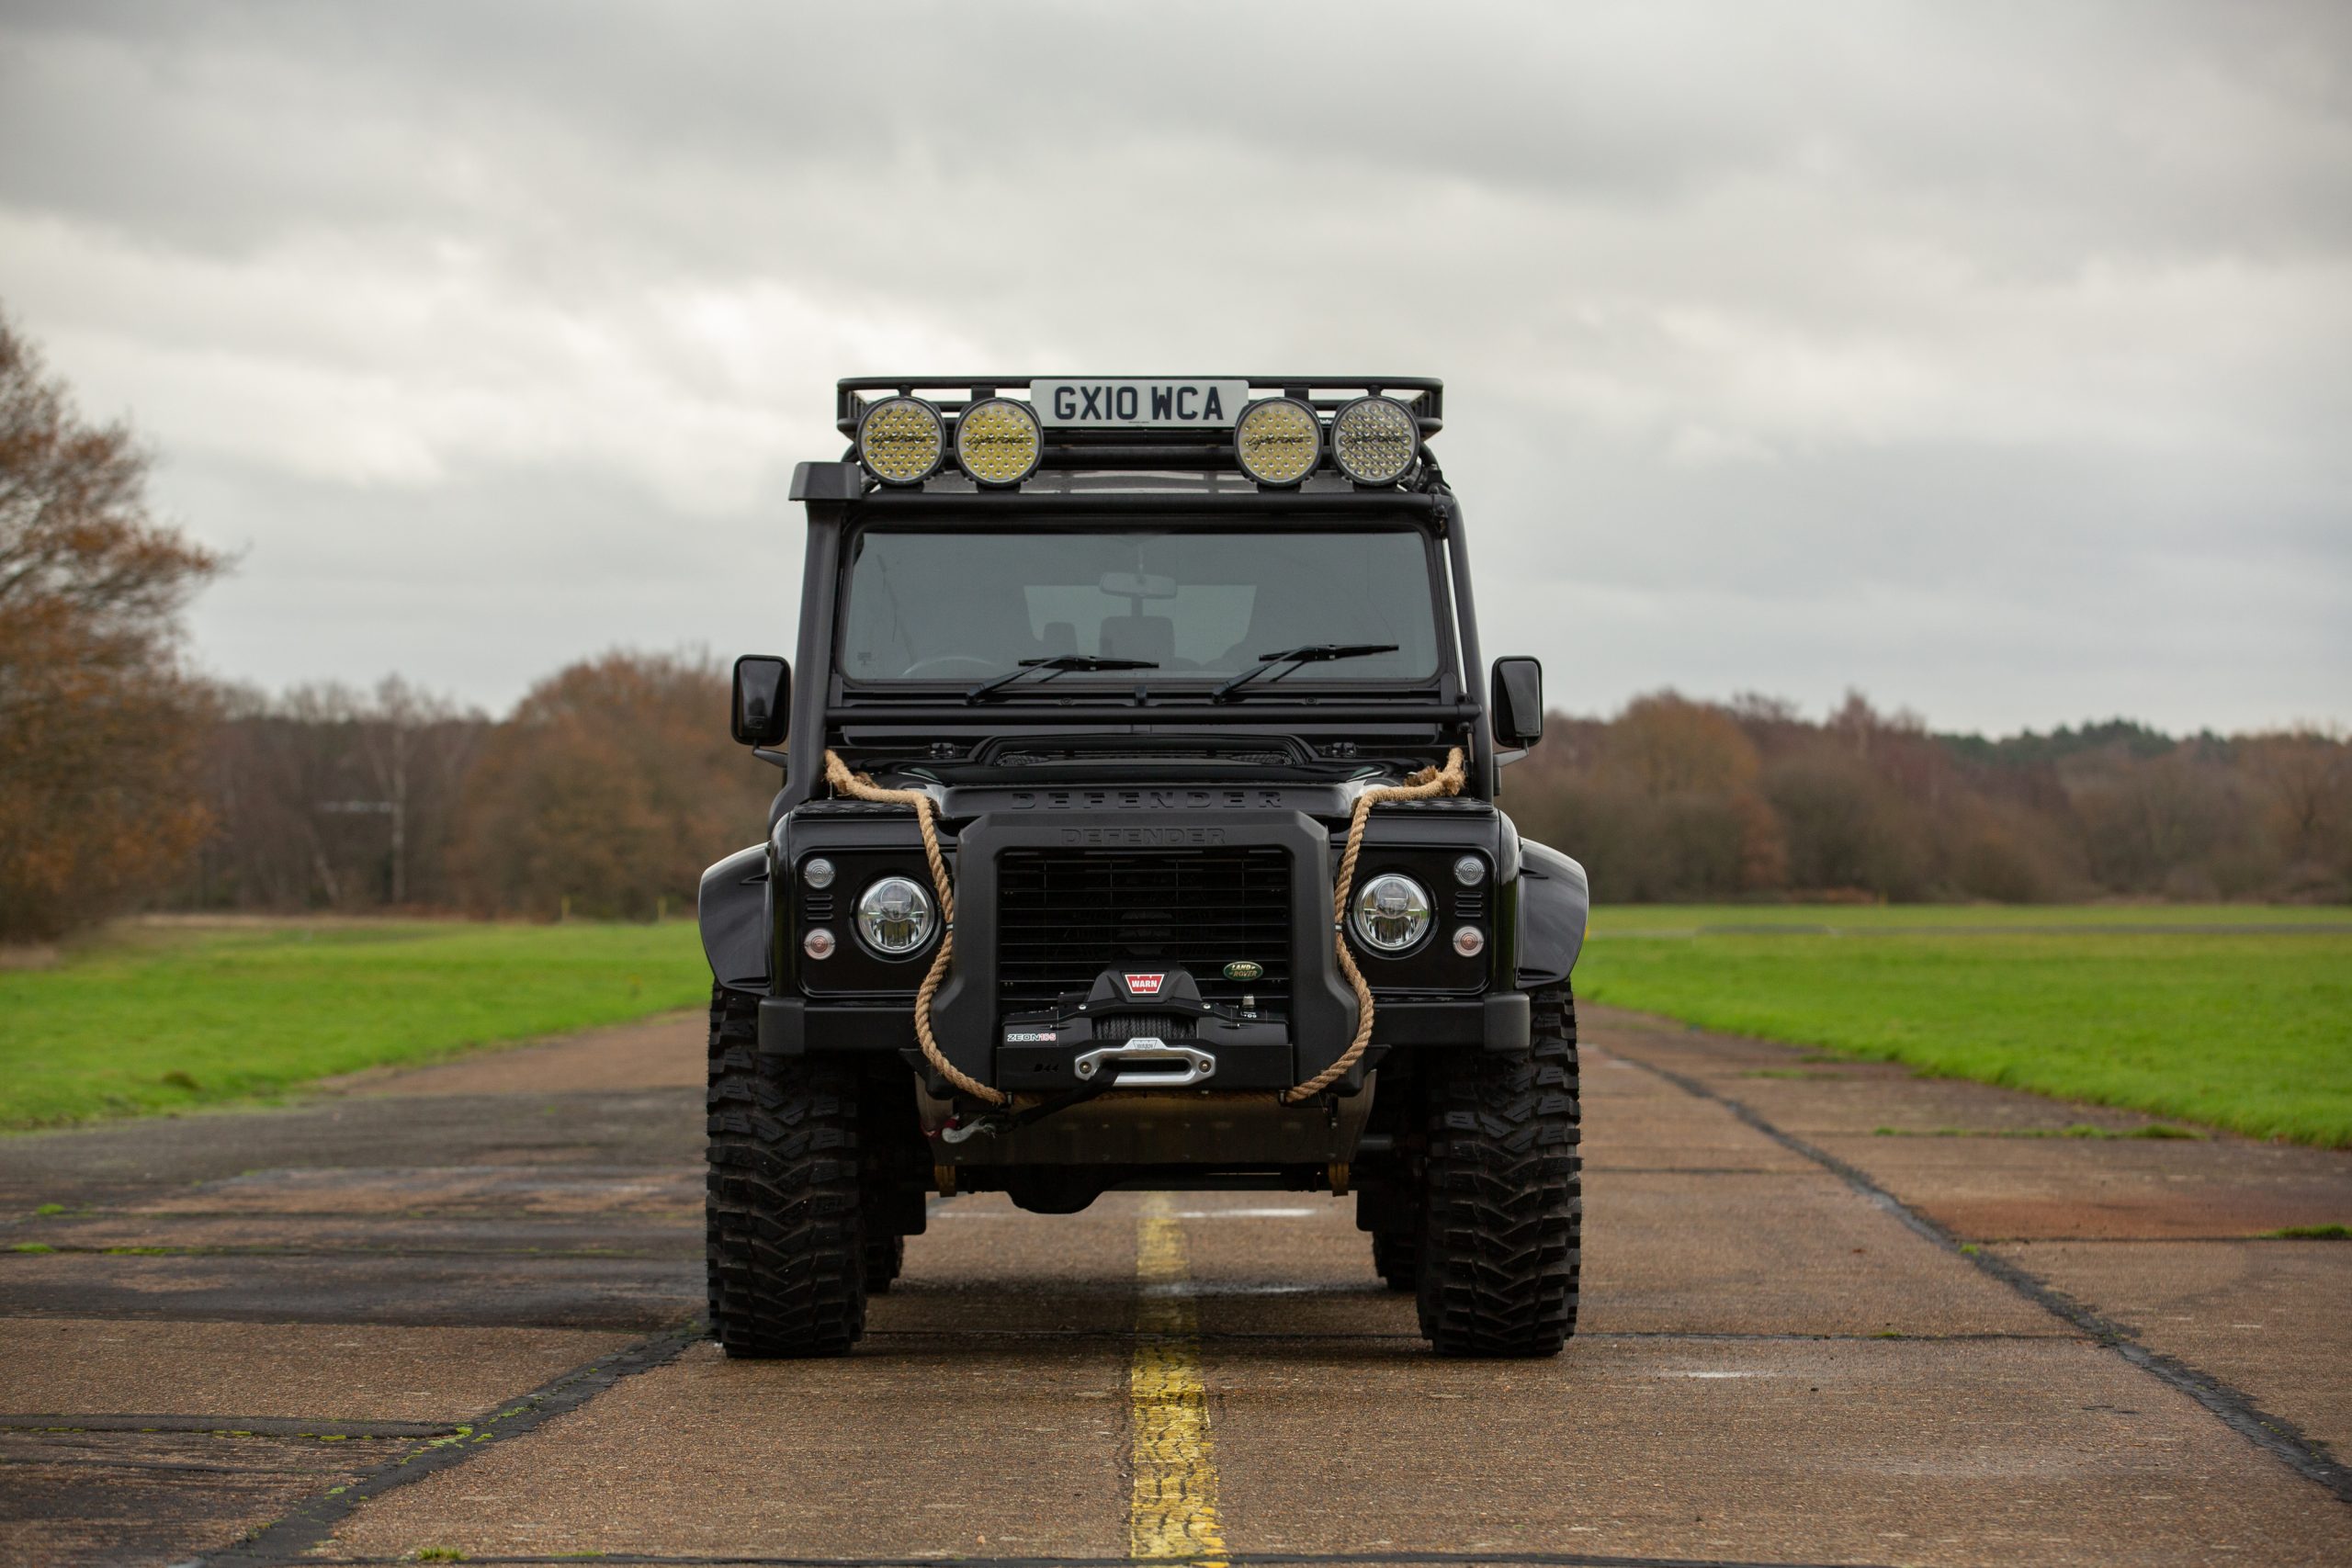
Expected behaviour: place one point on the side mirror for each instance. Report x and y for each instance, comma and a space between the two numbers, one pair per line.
1515, 709
763, 700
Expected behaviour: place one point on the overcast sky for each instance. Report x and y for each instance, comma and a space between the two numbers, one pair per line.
1995, 360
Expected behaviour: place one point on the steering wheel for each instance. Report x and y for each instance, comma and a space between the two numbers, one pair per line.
947, 665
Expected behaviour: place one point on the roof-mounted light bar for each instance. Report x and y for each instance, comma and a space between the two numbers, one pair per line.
1276, 430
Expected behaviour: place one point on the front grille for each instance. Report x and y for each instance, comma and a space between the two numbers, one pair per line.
1063, 916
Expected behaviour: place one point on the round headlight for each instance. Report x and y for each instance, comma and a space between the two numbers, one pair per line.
1278, 441
1392, 913
998, 441
894, 917
1376, 440
901, 440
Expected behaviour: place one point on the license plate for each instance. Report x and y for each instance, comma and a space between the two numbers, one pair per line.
1140, 404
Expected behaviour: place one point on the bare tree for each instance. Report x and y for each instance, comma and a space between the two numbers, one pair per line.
2306, 775
327, 796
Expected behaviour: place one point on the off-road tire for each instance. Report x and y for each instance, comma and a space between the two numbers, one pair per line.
1504, 1205
885, 1256
785, 1229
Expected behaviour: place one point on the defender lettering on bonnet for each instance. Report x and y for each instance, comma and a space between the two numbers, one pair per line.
1142, 799
1138, 831
1141, 836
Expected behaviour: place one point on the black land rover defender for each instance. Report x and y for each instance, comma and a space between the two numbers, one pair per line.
1138, 831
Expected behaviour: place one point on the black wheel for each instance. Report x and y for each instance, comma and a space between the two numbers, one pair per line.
786, 1234
885, 1256
1499, 1238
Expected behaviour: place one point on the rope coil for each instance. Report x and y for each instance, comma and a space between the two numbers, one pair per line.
1421, 786
837, 774
1447, 780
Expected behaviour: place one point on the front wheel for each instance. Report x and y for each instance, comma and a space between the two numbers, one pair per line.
786, 1246
1503, 1206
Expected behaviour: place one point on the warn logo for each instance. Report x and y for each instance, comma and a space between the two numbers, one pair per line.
1144, 985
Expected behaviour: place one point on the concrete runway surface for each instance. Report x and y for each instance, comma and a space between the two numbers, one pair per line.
452, 1311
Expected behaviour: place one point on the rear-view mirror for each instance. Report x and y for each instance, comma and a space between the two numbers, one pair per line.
1516, 711
762, 699
1140, 584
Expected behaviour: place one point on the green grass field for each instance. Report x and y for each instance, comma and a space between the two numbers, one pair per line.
2248, 1031
164, 1017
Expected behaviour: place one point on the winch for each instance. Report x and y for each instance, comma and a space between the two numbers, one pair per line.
1151, 1028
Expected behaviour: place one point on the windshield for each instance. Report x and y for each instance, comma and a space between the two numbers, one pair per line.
937, 605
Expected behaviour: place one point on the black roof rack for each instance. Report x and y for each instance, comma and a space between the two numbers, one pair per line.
1425, 395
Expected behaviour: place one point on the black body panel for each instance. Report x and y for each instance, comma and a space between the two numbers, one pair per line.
732, 909
1555, 901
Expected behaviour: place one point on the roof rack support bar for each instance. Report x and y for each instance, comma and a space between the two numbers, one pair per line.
820, 573
1473, 673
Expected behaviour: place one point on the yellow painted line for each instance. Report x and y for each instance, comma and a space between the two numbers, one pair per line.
1172, 1509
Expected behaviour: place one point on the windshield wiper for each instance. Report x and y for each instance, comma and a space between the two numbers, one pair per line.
1310, 653
1057, 664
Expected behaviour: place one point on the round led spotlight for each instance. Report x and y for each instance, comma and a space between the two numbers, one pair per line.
894, 917
1278, 441
1376, 440
900, 440
1392, 913
998, 442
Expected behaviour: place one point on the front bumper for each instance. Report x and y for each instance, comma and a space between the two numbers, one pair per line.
791, 1026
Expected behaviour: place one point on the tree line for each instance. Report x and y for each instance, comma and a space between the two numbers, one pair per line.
1677, 799
613, 784
602, 795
